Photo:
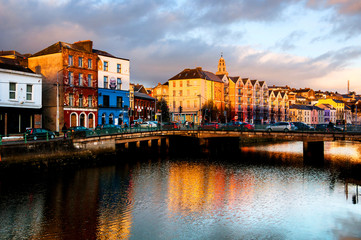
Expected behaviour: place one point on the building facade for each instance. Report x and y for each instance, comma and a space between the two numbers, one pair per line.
113, 89
20, 99
192, 89
71, 95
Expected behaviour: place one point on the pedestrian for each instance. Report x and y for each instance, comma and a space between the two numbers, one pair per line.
64, 130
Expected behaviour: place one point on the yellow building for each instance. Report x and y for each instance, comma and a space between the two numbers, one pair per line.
337, 104
191, 89
161, 91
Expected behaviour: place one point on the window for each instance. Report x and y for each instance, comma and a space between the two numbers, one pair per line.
105, 101
119, 102
174, 93
174, 84
111, 118
105, 67
89, 80
181, 84
105, 81
119, 68
90, 101
80, 100
71, 99
70, 60
90, 63
29, 92
71, 78
119, 83
12, 91
80, 62
80, 79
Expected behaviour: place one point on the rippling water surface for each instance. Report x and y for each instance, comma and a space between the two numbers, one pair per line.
264, 193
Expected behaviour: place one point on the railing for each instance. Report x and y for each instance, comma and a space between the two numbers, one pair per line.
16, 138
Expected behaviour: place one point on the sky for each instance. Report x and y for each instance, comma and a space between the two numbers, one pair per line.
299, 43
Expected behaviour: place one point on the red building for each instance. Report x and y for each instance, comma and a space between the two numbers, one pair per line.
70, 94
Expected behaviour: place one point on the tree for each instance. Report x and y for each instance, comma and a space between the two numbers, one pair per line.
210, 112
163, 107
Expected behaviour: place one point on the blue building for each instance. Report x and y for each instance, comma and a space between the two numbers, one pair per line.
113, 89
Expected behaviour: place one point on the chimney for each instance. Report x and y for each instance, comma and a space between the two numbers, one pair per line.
348, 86
38, 69
86, 44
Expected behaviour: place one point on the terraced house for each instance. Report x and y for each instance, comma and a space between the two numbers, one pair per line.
113, 90
251, 100
70, 93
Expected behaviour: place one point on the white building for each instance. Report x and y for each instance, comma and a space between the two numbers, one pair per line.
113, 89
20, 99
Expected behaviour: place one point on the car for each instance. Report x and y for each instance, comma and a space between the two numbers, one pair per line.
148, 124
107, 128
234, 125
80, 131
39, 133
303, 126
209, 126
280, 126
247, 126
170, 126
328, 128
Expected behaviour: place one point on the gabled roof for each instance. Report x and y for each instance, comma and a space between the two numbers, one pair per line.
234, 79
57, 48
143, 96
244, 80
261, 83
253, 82
196, 73
106, 54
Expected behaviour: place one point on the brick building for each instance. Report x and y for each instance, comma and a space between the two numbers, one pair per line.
74, 100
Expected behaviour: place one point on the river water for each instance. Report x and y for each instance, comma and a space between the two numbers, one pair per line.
265, 192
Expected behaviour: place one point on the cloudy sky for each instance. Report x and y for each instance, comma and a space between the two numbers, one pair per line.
300, 43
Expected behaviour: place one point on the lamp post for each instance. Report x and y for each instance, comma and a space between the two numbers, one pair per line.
57, 98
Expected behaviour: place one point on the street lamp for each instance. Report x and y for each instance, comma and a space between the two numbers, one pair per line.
57, 97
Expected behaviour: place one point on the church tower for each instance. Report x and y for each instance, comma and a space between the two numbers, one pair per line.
222, 67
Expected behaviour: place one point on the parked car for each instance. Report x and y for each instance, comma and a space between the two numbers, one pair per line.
80, 131
247, 126
234, 125
209, 126
39, 133
237, 126
170, 126
280, 126
303, 126
148, 124
328, 128
107, 128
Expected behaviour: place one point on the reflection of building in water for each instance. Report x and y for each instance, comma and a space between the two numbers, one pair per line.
354, 185
72, 200
202, 188
115, 208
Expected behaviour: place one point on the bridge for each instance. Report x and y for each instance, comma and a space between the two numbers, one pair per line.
193, 140
313, 142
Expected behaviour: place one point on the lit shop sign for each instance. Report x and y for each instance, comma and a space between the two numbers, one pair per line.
113, 83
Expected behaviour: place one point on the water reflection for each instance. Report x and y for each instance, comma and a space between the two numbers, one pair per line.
265, 192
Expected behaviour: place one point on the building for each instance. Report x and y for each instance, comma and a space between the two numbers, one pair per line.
278, 106
142, 106
161, 91
194, 89
113, 89
70, 94
329, 113
338, 105
251, 101
20, 98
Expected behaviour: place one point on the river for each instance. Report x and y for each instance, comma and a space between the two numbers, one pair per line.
265, 192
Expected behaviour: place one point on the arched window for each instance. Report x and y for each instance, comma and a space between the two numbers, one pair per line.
73, 120
91, 120
111, 118
103, 118
82, 120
